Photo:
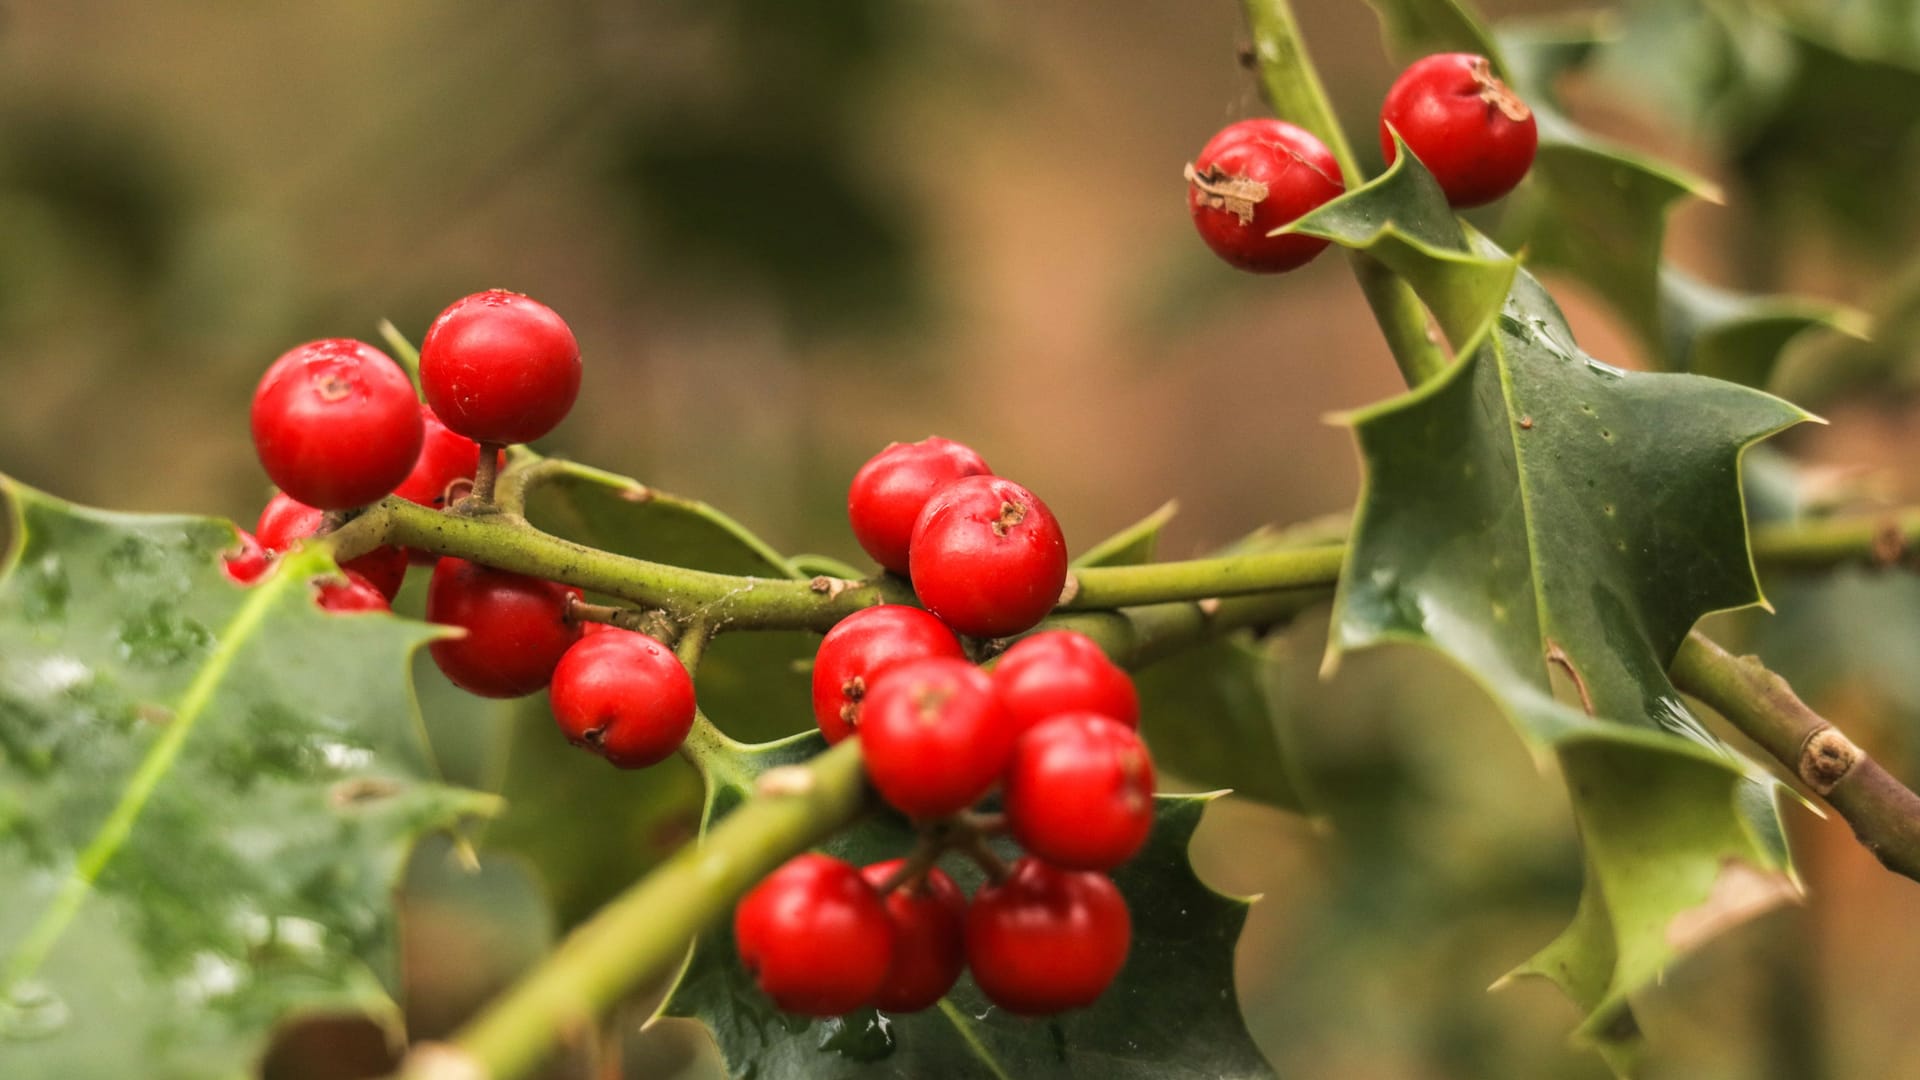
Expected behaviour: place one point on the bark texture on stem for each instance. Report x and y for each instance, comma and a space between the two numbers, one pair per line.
1884, 813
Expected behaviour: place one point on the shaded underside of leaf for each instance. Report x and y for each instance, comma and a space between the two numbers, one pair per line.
206, 796
1172, 1012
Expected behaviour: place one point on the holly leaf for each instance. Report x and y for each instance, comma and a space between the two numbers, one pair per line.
1538, 515
1402, 219
1172, 1012
753, 685
207, 795
1737, 336
1212, 713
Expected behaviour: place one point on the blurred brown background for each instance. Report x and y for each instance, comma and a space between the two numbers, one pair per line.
787, 233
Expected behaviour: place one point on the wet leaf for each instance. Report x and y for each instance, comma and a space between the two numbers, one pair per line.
207, 794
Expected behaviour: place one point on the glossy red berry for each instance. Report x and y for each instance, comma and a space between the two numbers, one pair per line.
1046, 939
815, 937
350, 593
1062, 671
929, 938
516, 628
934, 735
1467, 127
859, 648
500, 367
248, 561
889, 491
988, 557
336, 424
1079, 792
1252, 178
285, 521
625, 696
447, 462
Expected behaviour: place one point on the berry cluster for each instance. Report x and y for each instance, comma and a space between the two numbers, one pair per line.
1053, 727
1256, 177
337, 426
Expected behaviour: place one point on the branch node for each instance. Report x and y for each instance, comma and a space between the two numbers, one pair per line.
1826, 758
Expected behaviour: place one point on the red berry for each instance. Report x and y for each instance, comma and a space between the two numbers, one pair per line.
446, 458
516, 628
1062, 671
929, 938
500, 367
336, 424
1252, 178
988, 557
891, 488
1080, 792
815, 937
935, 736
859, 648
350, 594
1470, 131
1046, 940
247, 562
624, 696
286, 521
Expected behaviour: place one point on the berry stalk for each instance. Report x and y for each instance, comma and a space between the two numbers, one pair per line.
1294, 90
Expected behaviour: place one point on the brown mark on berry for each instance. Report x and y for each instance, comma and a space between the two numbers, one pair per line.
929, 701
1826, 758
1498, 94
1237, 195
333, 387
1011, 514
1557, 655
361, 790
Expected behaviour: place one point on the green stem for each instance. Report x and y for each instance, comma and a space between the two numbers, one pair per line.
403, 350
1296, 93
1227, 575
1821, 543
1884, 813
722, 601
645, 931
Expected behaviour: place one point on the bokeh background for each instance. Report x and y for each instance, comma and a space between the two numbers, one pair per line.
787, 233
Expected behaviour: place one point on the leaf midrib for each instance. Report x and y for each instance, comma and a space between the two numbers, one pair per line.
154, 767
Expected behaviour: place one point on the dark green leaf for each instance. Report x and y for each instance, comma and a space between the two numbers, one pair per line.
206, 796
1735, 336
1214, 717
1172, 1013
1551, 522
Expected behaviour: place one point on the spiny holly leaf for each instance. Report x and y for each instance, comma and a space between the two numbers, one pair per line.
1736, 336
754, 685
1416, 28
207, 794
1535, 513
1211, 713
1171, 1013
1402, 219
1538, 515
